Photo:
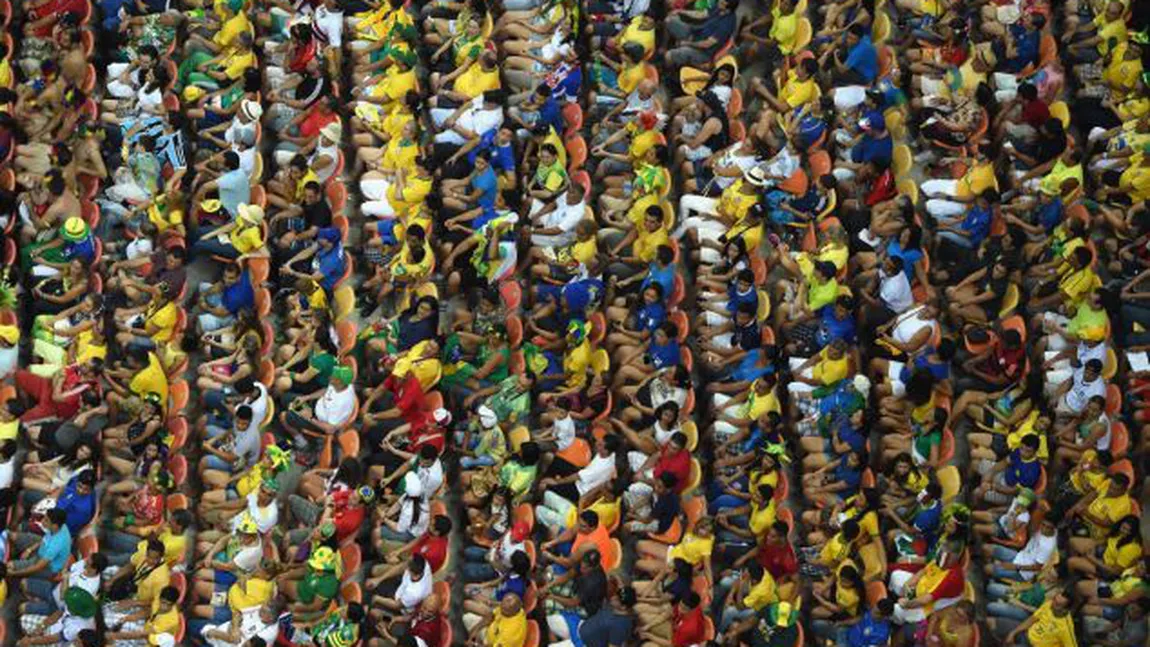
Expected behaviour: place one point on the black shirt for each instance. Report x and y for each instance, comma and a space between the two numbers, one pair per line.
591, 587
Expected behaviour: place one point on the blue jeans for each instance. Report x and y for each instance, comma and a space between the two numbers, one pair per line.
475, 566
1004, 554
213, 247
40, 597
469, 463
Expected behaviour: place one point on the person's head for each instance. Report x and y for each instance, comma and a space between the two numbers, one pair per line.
1119, 484
55, 518
1028, 447
416, 567
745, 280
892, 265
86, 482
510, 605
855, 34
154, 553
428, 455
243, 417
548, 154
588, 521
850, 529
1092, 370
179, 521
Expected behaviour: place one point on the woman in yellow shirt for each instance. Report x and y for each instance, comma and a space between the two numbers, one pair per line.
239, 239
695, 548
841, 601
152, 626
1122, 549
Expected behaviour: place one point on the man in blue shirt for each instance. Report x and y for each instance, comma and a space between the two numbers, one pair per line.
51, 551
1021, 469
873, 629
1021, 49
875, 145
975, 225
78, 501
861, 64
223, 301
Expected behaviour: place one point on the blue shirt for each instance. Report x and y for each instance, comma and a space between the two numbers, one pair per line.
513, 584
665, 277
976, 224
863, 59
235, 189
873, 149
240, 295
488, 183
832, 328
852, 476
748, 369
84, 250
1050, 214
332, 265
110, 9
56, 548
1021, 472
736, 298
910, 258
80, 508
868, 632
502, 158
651, 316
664, 355
551, 114
928, 521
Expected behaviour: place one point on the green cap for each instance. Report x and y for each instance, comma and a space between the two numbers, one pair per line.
80, 603
342, 373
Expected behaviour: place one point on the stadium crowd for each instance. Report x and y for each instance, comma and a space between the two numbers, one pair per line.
512, 323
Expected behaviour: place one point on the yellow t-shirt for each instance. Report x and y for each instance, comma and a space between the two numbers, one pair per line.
1122, 75
167, 622
1110, 508
403, 266
246, 239
1051, 183
1025, 428
251, 594
647, 242
237, 63
760, 405
834, 551
796, 92
634, 33
175, 548
630, 77
762, 518
830, 371
1049, 630
9, 430
415, 189
507, 631
151, 379
1079, 284
692, 549
764, 592
399, 155
735, 204
5, 73
1109, 30
1121, 557
231, 30
395, 85
164, 320
426, 370
1135, 180
148, 589
783, 29
475, 81
977, 179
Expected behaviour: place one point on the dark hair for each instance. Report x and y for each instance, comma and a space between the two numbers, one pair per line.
57, 516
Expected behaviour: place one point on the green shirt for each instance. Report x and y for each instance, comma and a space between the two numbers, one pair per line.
324, 364
1033, 596
510, 402
323, 584
517, 477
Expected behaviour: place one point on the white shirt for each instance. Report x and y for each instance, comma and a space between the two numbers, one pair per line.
909, 325
895, 291
598, 471
330, 24
7, 473
431, 478
475, 119
564, 218
411, 593
732, 157
239, 131
1036, 551
325, 151
1086, 353
138, 248
1081, 391
259, 404
77, 579
265, 517
335, 407
149, 101
251, 626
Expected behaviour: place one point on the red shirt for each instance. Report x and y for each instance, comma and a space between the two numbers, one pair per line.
677, 464
882, 189
951, 586
1035, 113
428, 630
56, 8
348, 520
433, 549
301, 56
315, 120
779, 561
690, 629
